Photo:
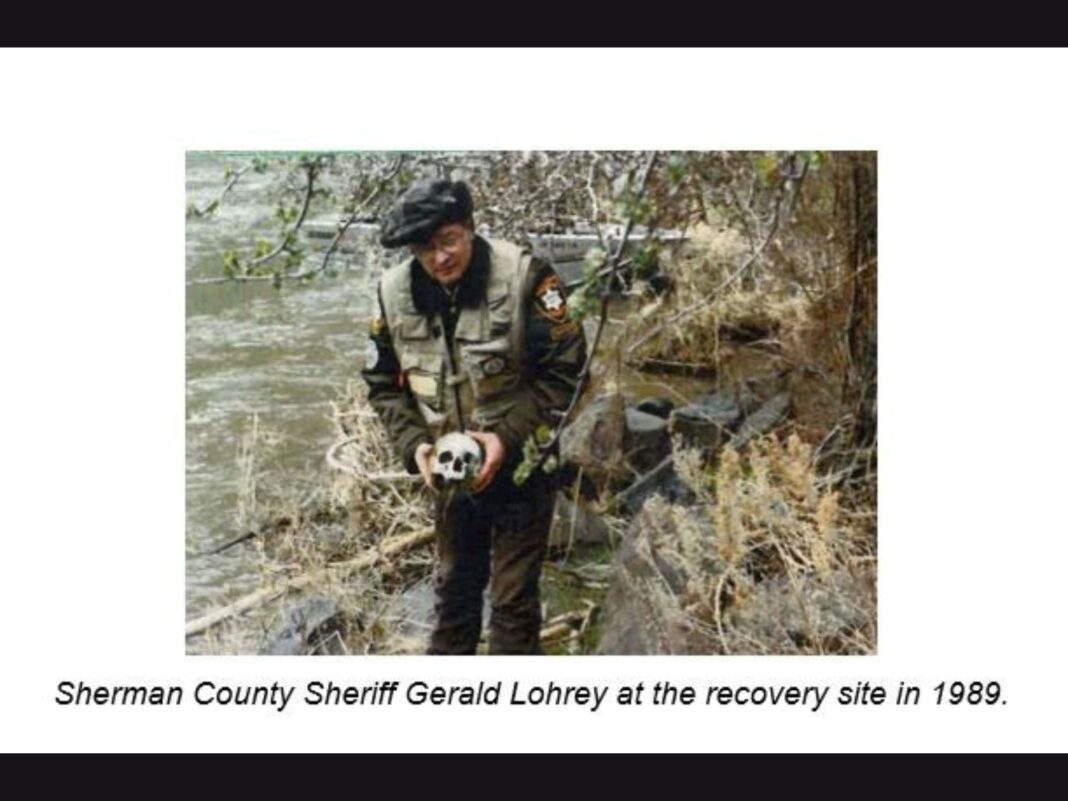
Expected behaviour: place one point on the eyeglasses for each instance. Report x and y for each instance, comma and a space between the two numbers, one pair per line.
450, 243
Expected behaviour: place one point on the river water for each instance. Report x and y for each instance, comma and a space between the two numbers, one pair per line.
279, 354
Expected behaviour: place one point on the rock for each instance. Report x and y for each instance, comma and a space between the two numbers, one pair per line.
722, 403
661, 407
715, 419
763, 387
331, 539
589, 528
774, 615
313, 626
594, 441
660, 282
412, 616
646, 440
661, 480
413, 610
747, 400
707, 422
763, 419
646, 571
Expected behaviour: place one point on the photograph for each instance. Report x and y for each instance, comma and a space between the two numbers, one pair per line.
559, 402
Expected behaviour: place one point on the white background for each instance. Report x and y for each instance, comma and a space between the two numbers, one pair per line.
971, 444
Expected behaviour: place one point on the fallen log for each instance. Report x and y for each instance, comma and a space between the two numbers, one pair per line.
338, 570
569, 625
643, 480
666, 367
562, 626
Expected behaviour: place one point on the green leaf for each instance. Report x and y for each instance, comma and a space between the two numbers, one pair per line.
767, 166
593, 261
231, 263
646, 257
293, 259
577, 303
543, 434
676, 169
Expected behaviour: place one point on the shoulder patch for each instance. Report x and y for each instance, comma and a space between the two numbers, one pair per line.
549, 299
377, 324
493, 365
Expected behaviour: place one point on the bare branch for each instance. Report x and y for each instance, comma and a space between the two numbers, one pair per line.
348, 221
305, 274
312, 170
235, 175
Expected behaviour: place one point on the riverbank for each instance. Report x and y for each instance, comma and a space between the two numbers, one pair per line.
715, 521
718, 480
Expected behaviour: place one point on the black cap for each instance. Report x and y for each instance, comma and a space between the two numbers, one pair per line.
423, 208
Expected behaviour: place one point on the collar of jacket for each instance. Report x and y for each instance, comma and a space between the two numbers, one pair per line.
429, 296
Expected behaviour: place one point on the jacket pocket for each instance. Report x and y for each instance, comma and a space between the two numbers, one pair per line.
491, 367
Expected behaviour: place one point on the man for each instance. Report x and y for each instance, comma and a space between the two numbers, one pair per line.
473, 335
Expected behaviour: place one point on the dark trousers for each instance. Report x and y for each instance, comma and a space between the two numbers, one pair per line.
497, 541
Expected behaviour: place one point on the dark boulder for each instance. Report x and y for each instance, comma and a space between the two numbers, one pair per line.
763, 419
594, 440
708, 421
577, 524
639, 615
646, 440
661, 480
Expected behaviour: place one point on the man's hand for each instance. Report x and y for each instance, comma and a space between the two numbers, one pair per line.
423, 455
494, 449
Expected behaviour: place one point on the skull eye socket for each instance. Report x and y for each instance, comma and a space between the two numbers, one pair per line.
444, 457
468, 457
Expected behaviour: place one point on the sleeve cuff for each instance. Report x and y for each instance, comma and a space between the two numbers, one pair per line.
409, 458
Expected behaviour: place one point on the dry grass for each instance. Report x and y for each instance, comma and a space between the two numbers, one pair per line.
386, 609
772, 324
779, 553
767, 561
343, 514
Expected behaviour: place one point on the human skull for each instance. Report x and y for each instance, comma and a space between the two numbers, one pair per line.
457, 458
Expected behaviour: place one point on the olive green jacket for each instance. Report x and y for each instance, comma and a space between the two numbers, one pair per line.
518, 371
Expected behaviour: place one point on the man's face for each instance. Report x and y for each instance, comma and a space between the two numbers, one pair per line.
447, 255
